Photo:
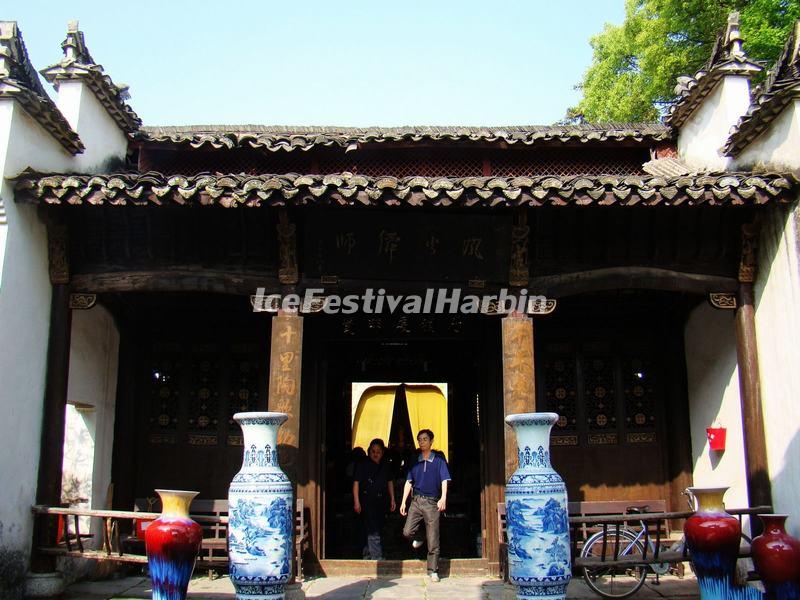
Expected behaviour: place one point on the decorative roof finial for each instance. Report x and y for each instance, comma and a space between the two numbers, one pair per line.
727, 58
78, 64
19, 81
74, 46
781, 86
733, 38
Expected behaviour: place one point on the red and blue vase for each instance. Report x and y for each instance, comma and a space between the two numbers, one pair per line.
776, 556
172, 542
713, 537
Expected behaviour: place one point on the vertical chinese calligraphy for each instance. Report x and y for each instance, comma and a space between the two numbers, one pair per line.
284, 385
519, 391
388, 243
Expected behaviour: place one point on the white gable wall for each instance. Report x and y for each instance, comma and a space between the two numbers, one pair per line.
25, 292
778, 147
105, 142
24, 326
705, 132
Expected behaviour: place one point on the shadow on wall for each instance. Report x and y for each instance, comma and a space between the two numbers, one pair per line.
786, 486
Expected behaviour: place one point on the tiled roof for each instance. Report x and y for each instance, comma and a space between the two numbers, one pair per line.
347, 189
305, 138
727, 58
18, 80
79, 64
781, 86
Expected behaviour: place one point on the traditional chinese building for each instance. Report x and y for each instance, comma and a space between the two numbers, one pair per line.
133, 258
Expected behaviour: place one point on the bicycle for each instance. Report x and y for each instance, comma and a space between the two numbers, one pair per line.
623, 580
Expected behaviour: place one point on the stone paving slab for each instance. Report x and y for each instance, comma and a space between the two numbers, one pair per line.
363, 588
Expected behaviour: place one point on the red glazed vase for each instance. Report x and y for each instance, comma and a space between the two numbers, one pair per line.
711, 529
172, 542
712, 536
776, 556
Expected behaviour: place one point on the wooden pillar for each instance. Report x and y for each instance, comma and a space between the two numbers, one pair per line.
51, 448
519, 390
759, 489
284, 386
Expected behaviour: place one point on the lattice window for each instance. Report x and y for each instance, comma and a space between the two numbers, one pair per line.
405, 164
639, 397
249, 161
204, 406
561, 397
243, 394
164, 398
425, 162
567, 162
600, 396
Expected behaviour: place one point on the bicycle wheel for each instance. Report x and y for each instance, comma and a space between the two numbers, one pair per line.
614, 581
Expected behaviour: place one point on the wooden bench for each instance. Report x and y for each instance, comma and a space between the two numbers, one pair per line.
212, 515
213, 553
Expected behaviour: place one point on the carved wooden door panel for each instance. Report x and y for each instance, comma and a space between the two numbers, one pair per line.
189, 439
609, 441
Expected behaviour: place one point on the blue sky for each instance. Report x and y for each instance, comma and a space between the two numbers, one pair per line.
347, 63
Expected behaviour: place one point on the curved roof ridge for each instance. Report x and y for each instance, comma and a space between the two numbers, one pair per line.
19, 80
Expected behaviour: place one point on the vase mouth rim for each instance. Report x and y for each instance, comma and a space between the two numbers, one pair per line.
191, 493
709, 490
547, 418
243, 417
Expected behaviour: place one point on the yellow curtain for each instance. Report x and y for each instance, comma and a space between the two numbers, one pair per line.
373, 416
427, 409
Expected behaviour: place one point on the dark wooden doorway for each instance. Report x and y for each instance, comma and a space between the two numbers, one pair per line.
613, 367
188, 363
452, 361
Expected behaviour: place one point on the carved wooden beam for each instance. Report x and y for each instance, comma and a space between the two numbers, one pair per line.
642, 278
287, 240
58, 252
519, 269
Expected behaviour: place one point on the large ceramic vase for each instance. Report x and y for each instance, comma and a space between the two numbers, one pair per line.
776, 556
172, 542
713, 537
261, 513
536, 513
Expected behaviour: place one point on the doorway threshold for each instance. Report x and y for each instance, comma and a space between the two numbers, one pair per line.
464, 567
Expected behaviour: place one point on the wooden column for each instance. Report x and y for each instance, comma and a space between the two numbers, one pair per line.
51, 448
759, 489
519, 390
284, 386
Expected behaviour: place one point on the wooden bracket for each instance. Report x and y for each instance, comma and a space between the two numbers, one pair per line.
722, 301
82, 301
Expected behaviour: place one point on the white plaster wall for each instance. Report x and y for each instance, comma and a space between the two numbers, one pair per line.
778, 147
713, 382
100, 134
24, 324
703, 135
778, 333
89, 435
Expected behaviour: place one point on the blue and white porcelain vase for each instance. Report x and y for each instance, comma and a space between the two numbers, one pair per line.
261, 513
536, 512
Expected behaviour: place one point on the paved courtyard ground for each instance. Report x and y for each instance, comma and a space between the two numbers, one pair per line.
342, 588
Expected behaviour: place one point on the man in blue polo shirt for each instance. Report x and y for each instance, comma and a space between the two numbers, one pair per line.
428, 478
